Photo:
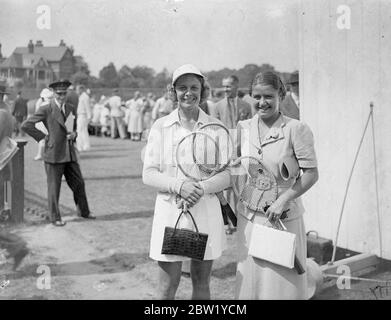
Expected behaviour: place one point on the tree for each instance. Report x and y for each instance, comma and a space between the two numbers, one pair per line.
109, 76
81, 65
80, 77
144, 76
126, 78
246, 74
161, 79
125, 72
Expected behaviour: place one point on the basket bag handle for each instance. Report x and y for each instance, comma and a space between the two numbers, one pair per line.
185, 210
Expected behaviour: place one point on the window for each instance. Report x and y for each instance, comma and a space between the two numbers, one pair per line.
41, 75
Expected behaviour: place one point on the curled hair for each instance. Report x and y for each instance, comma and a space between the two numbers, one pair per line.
205, 90
269, 78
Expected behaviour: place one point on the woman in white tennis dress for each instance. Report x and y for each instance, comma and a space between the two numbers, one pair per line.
161, 172
285, 146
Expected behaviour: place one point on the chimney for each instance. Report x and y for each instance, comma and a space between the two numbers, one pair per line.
30, 46
62, 43
39, 43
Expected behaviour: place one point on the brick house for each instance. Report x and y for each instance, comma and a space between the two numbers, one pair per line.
38, 65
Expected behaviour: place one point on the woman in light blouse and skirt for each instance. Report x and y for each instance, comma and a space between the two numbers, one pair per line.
161, 172
286, 147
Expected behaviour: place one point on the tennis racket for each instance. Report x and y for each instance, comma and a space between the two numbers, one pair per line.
202, 154
256, 187
225, 155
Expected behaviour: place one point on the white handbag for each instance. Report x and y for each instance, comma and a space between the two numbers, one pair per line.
273, 245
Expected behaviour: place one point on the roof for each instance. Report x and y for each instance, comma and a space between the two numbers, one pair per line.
49, 53
26, 61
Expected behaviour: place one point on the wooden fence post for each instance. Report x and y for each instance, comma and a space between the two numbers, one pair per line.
17, 184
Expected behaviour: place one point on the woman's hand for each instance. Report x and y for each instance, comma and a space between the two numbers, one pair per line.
276, 209
191, 192
302, 184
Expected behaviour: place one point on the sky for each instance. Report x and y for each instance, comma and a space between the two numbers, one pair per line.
211, 34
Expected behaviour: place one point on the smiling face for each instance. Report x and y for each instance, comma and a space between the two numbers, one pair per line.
267, 103
188, 91
60, 97
230, 88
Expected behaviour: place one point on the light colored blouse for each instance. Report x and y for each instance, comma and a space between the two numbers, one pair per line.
160, 169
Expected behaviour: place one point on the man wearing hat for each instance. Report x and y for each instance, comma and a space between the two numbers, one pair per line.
60, 152
290, 105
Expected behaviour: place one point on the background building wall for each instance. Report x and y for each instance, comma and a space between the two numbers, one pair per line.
344, 66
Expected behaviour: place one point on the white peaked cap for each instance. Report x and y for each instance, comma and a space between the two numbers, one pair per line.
185, 69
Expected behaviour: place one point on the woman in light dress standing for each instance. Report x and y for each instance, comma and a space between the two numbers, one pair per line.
161, 172
83, 118
135, 119
280, 142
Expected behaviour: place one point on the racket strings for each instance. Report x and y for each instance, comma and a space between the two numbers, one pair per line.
221, 154
196, 156
256, 188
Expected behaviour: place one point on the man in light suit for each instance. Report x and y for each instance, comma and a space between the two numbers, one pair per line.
59, 153
117, 115
291, 104
230, 111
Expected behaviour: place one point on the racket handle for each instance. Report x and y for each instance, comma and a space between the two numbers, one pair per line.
298, 266
224, 214
227, 211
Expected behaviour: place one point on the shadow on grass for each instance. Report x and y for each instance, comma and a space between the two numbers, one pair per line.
104, 148
118, 262
118, 216
123, 177
102, 156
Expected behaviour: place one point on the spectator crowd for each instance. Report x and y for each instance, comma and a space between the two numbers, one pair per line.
118, 116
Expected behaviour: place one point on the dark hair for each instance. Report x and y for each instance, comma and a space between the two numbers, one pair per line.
233, 77
271, 79
204, 90
240, 94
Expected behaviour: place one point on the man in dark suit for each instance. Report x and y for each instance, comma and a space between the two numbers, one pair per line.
59, 154
290, 105
72, 97
19, 112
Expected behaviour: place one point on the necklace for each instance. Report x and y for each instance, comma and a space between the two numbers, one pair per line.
260, 138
